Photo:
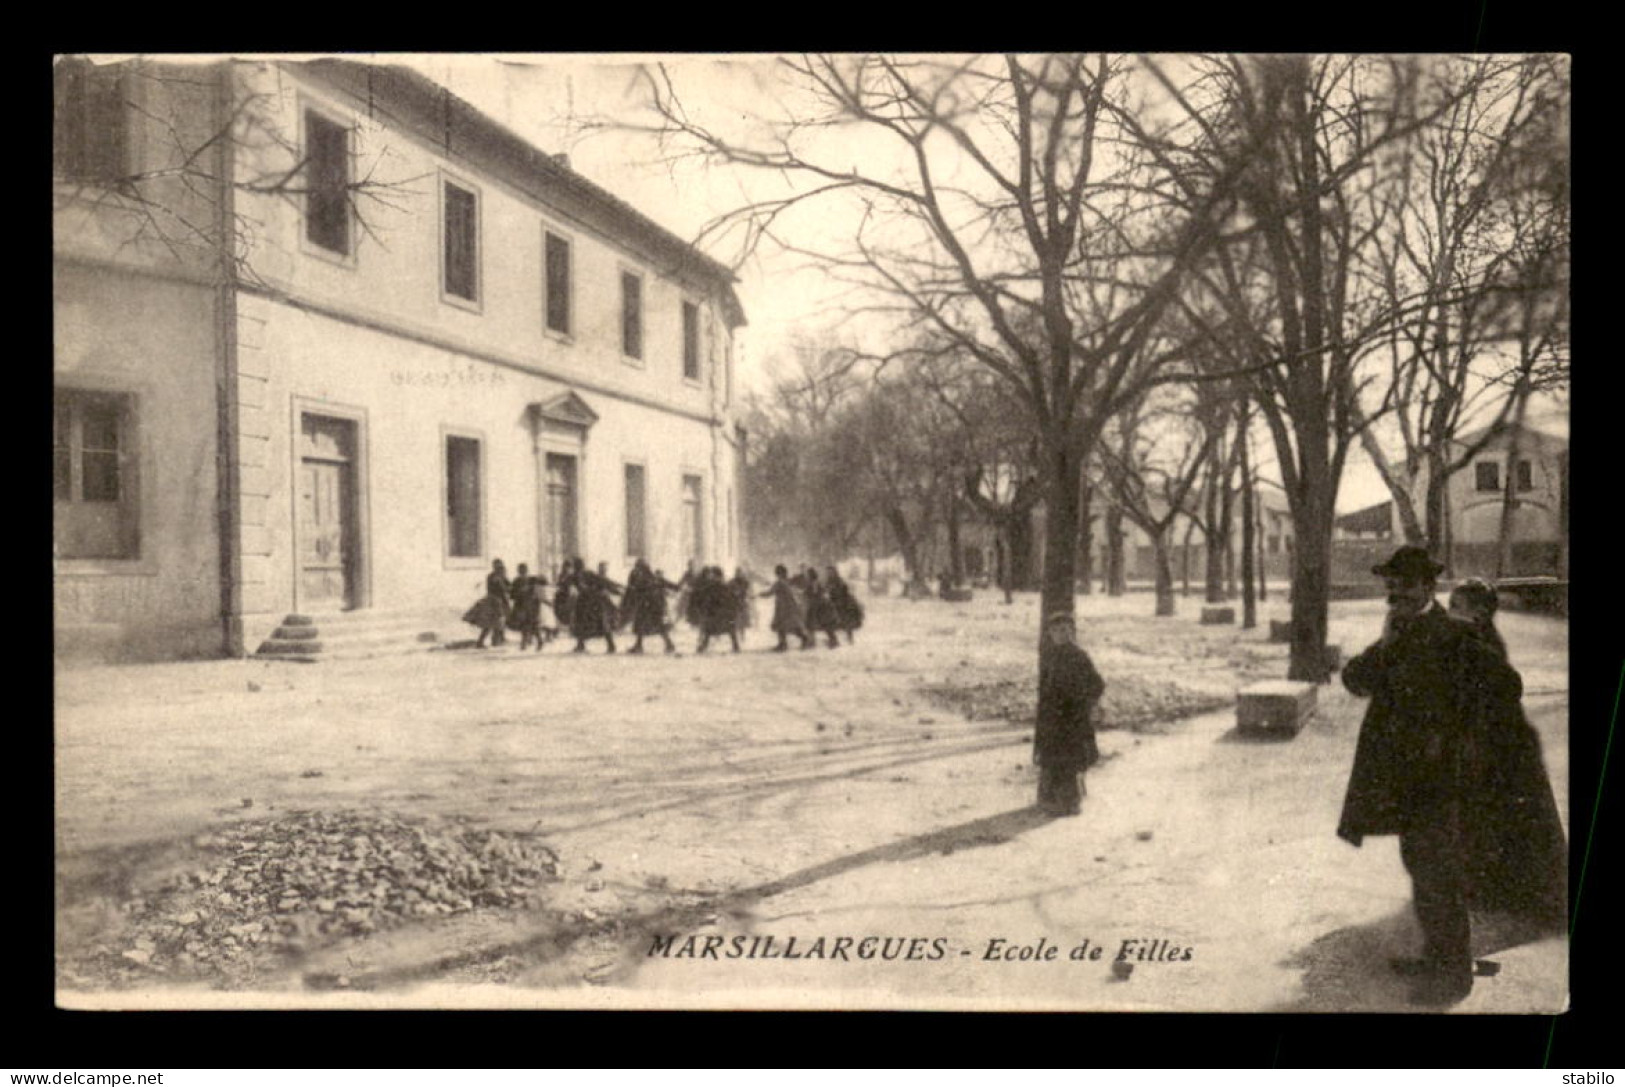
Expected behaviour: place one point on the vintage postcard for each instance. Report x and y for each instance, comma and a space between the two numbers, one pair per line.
1046, 532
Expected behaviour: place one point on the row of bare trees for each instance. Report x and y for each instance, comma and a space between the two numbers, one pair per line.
1342, 241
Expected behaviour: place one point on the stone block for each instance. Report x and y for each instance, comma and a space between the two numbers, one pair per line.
956, 596
1275, 708
1214, 616
1280, 631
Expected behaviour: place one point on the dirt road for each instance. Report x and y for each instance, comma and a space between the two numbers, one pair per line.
824, 794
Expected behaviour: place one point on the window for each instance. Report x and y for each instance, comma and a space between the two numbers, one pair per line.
462, 497
1487, 475
1526, 476
631, 315
691, 341
693, 519
327, 173
93, 474
636, 541
92, 125
557, 259
462, 255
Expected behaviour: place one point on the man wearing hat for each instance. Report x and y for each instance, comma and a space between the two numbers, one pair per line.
1429, 679
1064, 740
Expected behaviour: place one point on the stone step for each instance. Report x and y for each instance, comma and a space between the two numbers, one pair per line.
342, 635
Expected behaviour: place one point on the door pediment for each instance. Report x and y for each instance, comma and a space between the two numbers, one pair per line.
567, 411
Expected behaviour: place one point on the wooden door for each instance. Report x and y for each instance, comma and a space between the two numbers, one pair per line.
326, 530
323, 536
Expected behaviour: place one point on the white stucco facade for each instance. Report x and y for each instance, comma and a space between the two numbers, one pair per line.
367, 423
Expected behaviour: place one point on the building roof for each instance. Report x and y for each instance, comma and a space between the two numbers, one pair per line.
1546, 437
460, 129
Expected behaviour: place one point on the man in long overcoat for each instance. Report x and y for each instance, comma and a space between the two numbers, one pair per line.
1064, 740
1429, 679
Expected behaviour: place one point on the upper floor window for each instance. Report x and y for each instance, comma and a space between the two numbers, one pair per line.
631, 315
691, 341
327, 183
94, 484
461, 251
557, 258
1526, 476
92, 124
1487, 476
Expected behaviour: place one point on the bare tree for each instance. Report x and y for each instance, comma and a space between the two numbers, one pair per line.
1325, 138
1475, 262
1161, 451
1003, 204
207, 141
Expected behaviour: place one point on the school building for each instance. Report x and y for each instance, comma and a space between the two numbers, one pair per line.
328, 339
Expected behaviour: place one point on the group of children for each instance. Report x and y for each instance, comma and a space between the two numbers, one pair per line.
583, 603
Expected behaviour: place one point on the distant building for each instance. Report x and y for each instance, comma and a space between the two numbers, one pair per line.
1475, 501
328, 338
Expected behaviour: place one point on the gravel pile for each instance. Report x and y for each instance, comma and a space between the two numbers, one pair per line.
299, 881
1136, 703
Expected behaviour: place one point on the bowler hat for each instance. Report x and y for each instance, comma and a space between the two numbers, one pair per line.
1410, 562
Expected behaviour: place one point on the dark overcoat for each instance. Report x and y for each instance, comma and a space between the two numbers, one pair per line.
526, 614
1068, 689
848, 610
1429, 688
646, 601
713, 606
594, 608
490, 612
787, 615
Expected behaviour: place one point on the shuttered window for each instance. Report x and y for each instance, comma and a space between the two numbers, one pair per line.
327, 171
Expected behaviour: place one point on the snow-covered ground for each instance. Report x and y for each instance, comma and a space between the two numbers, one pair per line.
877, 792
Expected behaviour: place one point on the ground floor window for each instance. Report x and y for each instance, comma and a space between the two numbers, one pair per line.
94, 485
463, 497
637, 543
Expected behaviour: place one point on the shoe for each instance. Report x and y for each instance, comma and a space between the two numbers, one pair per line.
1438, 991
634, 649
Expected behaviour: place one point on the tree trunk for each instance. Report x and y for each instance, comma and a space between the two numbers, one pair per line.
1021, 549
1563, 515
1185, 558
1116, 576
905, 542
1001, 549
1399, 490
1086, 537
1263, 580
956, 557
1227, 529
1214, 542
1311, 581
1165, 574
1433, 503
1504, 565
